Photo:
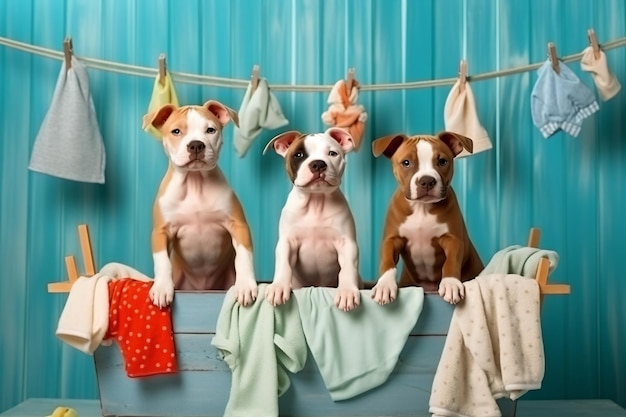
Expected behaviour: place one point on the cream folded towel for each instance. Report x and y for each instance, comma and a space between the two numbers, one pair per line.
69, 143
460, 116
85, 316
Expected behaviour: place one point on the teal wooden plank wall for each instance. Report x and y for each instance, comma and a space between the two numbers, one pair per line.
574, 189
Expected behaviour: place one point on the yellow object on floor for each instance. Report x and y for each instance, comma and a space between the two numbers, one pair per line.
64, 412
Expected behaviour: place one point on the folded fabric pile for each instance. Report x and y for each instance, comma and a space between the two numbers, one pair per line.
494, 346
114, 305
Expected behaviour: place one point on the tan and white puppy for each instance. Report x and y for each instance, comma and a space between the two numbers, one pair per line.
317, 235
424, 224
200, 237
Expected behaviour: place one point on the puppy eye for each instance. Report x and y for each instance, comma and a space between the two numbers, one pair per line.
176, 132
298, 155
333, 153
406, 163
442, 162
211, 130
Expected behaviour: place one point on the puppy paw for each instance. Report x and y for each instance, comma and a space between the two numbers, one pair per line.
278, 292
245, 292
451, 290
386, 289
162, 292
347, 298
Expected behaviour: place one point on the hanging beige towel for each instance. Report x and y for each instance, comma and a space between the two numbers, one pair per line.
607, 84
162, 94
69, 144
259, 110
460, 116
344, 112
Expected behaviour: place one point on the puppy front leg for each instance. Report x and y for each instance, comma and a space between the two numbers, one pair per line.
279, 291
451, 289
162, 290
245, 279
386, 289
348, 296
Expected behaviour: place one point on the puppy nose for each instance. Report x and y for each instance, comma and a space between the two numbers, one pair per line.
195, 147
427, 182
317, 166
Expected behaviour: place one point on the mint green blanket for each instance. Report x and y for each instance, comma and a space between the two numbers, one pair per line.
356, 351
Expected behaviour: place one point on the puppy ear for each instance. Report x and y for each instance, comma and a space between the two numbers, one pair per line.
456, 142
282, 142
223, 113
342, 137
158, 117
388, 145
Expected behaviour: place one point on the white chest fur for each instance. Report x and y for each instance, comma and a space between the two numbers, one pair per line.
419, 229
192, 200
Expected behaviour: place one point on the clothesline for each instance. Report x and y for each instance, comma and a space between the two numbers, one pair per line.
209, 80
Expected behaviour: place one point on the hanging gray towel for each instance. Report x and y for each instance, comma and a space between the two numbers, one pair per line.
69, 144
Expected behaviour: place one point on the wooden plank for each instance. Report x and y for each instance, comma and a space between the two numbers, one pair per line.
197, 312
406, 393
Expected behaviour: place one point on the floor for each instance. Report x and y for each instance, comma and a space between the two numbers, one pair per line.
40, 407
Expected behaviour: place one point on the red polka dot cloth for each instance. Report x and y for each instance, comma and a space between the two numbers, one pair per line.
142, 330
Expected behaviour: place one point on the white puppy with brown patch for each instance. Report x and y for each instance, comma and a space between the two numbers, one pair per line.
200, 237
317, 235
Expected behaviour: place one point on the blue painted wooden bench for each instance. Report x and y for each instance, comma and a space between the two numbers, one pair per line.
202, 385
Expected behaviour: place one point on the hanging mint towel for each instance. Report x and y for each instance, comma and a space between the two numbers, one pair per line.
259, 110
69, 144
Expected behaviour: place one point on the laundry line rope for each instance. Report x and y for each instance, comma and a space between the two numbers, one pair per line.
209, 80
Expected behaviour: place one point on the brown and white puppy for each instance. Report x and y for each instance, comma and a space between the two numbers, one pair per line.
424, 224
200, 237
317, 235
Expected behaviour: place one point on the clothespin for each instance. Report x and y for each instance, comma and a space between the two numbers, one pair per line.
593, 41
255, 77
462, 74
350, 80
553, 57
67, 51
162, 69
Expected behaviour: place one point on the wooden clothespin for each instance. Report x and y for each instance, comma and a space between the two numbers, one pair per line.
593, 41
162, 69
462, 74
67, 51
254, 78
350, 80
553, 57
